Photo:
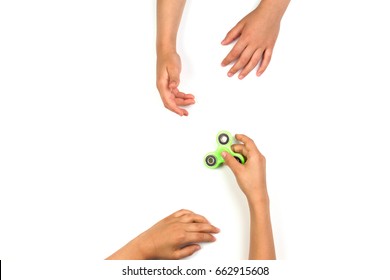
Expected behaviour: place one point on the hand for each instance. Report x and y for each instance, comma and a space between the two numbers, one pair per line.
256, 34
251, 175
175, 237
168, 79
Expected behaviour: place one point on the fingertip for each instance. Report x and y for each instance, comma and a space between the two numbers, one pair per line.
224, 154
179, 112
230, 74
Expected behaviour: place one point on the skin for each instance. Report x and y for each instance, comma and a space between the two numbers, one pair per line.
178, 235
168, 61
174, 237
255, 37
251, 177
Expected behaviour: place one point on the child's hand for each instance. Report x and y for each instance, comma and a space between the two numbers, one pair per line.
175, 237
256, 34
251, 175
168, 79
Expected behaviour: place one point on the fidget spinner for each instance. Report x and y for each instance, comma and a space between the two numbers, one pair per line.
225, 141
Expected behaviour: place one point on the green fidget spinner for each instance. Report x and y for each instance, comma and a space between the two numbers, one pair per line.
225, 141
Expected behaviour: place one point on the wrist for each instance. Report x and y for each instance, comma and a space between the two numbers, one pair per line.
259, 209
163, 48
140, 250
131, 251
259, 199
274, 9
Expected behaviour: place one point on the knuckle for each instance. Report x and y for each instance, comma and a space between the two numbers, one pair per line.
180, 236
198, 227
260, 157
253, 63
202, 236
249, 141
201, 217
234, 53
245, 57
177, 255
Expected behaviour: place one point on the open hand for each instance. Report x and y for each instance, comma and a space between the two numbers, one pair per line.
256, 36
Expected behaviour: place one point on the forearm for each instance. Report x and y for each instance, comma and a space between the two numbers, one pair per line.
131, 251
169, 14
261, 237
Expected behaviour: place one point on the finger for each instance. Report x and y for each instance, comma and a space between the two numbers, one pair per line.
186, 251
171, 105
240, 148
245, 57
248, 143
196, 237
183, 95
234, 54
181, 213
244, 139
232, 35
184, 102
251, 64
232, 163
193, 218
201, 227
264, 62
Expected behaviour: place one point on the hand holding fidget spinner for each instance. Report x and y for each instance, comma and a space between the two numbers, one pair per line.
225, 141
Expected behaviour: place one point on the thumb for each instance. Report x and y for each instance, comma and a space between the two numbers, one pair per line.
232, 35
187, 251
231, 162
173, 78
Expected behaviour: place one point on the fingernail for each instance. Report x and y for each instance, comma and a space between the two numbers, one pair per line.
224, 154
240, 77
197, 248
230, 74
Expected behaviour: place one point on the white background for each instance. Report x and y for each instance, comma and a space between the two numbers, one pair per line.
89, 157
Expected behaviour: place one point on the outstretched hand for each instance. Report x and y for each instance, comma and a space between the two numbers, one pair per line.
168, 80
256, 36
